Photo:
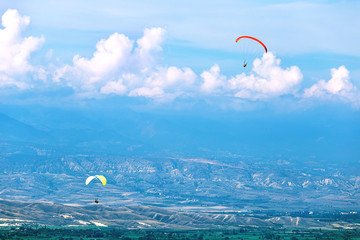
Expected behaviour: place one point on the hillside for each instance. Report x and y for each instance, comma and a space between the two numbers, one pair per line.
14, 213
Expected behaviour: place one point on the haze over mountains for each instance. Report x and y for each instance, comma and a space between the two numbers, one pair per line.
322, 134
187, 161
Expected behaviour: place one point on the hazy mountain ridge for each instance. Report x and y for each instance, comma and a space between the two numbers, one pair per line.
99, 128
14, 130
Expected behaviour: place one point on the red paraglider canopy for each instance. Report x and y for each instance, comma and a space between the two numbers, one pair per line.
255, 39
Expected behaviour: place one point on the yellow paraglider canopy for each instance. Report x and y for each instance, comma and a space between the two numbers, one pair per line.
100, 177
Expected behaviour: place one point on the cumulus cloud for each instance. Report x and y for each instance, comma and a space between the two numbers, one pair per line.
338, 86
266, 80
212, 80
149, 43
118, 68
165, 83
15, 49
110, 56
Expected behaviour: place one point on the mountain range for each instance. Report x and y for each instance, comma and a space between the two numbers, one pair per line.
193, 164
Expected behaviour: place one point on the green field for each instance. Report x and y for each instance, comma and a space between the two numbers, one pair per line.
112, 233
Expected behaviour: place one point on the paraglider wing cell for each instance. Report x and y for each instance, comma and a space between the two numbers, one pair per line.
89, 179
102, 179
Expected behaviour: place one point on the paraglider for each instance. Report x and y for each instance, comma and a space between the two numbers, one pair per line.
99, 177
250, 47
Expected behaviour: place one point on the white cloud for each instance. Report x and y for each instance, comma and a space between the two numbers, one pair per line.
212, 80
111, 55
338, 86
266, 80
116, 87
150, 42
161, 83
117, 68
15, 49
170, 77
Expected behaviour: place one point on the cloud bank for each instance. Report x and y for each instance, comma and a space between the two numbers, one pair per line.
118, 66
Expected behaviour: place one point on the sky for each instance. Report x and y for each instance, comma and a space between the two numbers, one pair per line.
165, 51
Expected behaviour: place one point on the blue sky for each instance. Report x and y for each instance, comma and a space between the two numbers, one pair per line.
164, 51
